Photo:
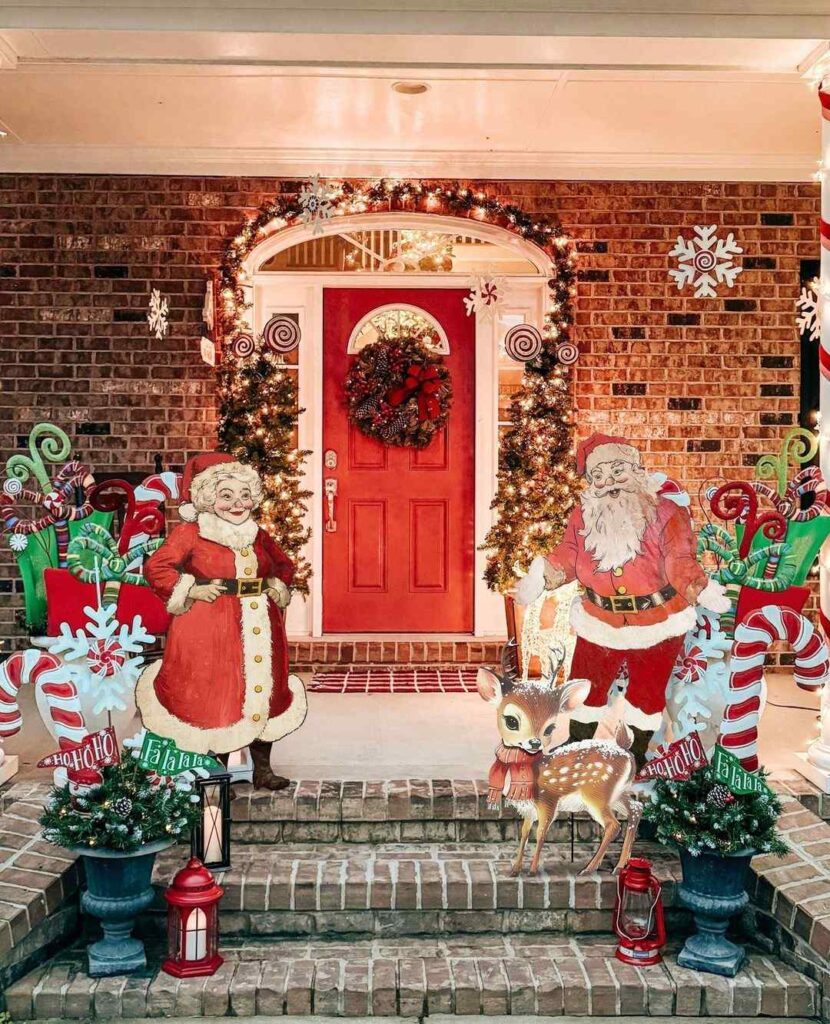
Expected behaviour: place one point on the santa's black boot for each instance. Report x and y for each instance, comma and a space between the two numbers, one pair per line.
581, 731
642, 738
264, 777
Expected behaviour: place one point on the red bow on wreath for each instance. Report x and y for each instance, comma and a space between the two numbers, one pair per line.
424, 382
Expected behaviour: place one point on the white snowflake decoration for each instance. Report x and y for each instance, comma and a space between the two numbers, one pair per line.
316, 203
705, 261
157, 314
808, 313
18, 542
100, 659
486, 298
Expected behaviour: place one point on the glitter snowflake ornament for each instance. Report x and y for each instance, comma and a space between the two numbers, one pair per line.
101, 660
486, 296
808, 314
157, 314
705, 261
316, 204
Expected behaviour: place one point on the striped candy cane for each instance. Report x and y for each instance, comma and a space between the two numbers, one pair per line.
753, 637
162, 488
22, 667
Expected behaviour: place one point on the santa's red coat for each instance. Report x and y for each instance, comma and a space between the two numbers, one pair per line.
666, 558
223, 681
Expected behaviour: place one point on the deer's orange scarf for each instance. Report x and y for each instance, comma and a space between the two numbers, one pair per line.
519, 765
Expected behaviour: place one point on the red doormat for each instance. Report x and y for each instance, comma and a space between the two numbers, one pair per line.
395, 680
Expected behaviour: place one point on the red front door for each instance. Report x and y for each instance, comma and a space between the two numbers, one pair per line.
401, 558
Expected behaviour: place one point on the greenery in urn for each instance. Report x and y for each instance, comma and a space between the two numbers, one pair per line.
701, 815
131, 808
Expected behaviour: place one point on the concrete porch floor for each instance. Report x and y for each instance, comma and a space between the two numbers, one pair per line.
383, 736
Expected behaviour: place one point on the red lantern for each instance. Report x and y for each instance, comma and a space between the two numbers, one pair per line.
638, 915
193, 923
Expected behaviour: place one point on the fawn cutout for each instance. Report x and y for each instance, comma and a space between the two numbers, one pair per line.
594, 775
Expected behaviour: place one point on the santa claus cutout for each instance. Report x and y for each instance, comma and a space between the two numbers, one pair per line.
632, 549
223, 683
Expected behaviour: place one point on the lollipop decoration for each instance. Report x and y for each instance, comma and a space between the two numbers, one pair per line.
807, 481
523, 343
142, 519
738, 501
567, 353
243, 345
281, 334
799, 446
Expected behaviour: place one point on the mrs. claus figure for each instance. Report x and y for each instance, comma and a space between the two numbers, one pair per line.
630, 545
223, 683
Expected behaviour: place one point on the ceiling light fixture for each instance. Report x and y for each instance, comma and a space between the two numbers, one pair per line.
410, 88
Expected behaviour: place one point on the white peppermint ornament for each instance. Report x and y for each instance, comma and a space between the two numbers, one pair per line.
705, 261
486, 298
316, 204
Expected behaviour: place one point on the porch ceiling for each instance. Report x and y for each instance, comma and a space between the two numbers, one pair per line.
142, 95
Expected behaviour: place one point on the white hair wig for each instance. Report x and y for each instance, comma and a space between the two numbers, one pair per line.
204, 487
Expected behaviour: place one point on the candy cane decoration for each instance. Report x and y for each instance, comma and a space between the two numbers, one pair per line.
142, 519
162, 488
753, 637
38, 668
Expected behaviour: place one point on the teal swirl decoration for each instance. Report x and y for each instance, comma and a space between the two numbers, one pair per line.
46, 441
745, 571
93, 544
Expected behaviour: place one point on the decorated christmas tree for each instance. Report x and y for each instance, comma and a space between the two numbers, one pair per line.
258, 417
537, 483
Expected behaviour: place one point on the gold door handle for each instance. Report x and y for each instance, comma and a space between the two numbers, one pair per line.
330, 490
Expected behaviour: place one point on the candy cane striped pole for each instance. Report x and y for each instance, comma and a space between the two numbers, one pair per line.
22, 667
753, 637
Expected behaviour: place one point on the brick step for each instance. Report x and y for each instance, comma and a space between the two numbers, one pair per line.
341, 889
306, 654
414, 978
400, 810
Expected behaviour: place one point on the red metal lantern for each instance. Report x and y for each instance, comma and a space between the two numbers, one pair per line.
638, 915
193, 922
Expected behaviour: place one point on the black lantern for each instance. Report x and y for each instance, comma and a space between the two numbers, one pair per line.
211, 841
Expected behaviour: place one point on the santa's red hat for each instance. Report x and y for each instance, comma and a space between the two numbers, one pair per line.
604, 448
194, 467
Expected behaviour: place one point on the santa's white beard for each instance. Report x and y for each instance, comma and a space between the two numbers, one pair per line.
614, 526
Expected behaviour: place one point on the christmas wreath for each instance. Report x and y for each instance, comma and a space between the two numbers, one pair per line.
398, 392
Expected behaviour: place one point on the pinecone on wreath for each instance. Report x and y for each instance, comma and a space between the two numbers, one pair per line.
393, 427
122, 806
720, 796
382, 363
367, 408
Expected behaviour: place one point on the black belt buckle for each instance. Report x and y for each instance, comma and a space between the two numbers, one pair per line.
250, 588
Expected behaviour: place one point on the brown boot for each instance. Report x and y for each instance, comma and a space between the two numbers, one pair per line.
264, 778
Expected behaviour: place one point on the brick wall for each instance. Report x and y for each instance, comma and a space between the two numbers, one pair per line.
703, 385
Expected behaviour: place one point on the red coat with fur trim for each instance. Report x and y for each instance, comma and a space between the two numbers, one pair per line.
223, 681
666, 557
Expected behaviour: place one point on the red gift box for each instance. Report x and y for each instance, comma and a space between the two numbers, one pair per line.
66, 598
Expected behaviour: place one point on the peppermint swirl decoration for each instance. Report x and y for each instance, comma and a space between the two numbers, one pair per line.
523, 342
243, 346
567, 353
12, 486
281, 334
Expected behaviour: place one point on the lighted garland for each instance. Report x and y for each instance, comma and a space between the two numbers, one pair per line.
398, 392
537, 485
408, 197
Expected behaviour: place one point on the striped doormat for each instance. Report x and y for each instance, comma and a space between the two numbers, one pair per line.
394, 679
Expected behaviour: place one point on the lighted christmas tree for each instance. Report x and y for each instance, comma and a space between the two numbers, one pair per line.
257, 420
537, 482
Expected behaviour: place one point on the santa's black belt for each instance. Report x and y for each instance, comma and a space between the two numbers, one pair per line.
630, 602
237, 588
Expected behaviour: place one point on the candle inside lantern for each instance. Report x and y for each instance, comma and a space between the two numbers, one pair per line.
212, 831
195, 940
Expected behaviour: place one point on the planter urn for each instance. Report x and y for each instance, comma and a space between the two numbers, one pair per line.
118, 889
714, 889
